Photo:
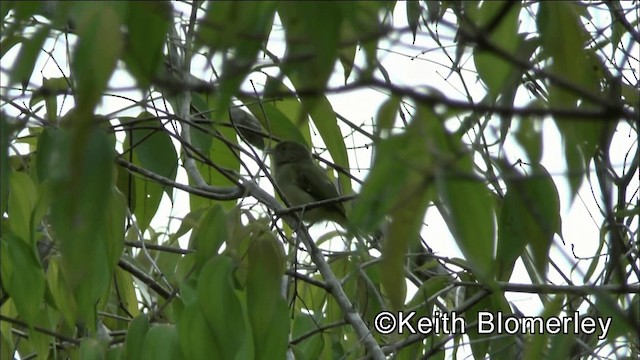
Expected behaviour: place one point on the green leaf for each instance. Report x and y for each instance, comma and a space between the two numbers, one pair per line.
154, 151
378, 195
267, 308
243, 27
4, 162
494, 70
195, 336
136, 336
26, 59
208, 235
529, 136
386, 117
312, 32
311, 347
20, 266
82, 177
124, 286
413, 16
580, 139
221, 306
97, 51
62, 296
324, 118
530, 216
161, 342
469, 215
147, 25
479, 347
48, 92
563, 37
22, 201
91, 349
537, 348
152, 144
405, 199
115, 228
223, 155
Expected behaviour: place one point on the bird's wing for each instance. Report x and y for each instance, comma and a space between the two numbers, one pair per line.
318, 186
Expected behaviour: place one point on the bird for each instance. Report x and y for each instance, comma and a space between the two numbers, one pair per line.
302, 182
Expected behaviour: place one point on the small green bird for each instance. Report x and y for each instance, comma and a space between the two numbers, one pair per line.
303, 182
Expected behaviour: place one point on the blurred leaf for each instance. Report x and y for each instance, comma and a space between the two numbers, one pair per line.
48, 93
413, 16
147, 24
494, 70
529, 136
386, 116
4, 162
26, 59
537, 348
59, 290
609, 309
312, 33
479, 347
580, 139
378, 195
243, 27
405, 199
82, 177
97, 51
221, 154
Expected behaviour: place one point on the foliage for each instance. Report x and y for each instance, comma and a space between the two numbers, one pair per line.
88, 270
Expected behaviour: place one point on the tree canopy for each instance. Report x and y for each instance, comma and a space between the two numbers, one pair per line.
140, 218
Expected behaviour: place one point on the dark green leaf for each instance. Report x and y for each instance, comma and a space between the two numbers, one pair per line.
530, 216
413, 16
